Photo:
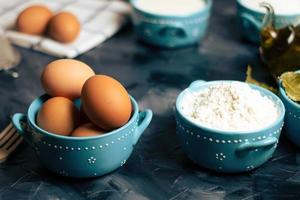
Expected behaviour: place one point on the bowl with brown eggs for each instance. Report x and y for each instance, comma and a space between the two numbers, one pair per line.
87, 156
85, 125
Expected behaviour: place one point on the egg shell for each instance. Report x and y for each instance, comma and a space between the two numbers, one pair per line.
58, 115
65, 77
34, 20
64, 27
87, 130
106, 102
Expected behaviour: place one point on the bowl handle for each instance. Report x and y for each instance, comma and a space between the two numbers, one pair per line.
250, 19
196, 84
267, 143
143, 122
18, 121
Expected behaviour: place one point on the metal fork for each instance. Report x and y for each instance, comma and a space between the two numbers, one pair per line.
9, 141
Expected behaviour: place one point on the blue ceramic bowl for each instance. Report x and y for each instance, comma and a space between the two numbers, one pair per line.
171, 31
250, 21
292, 117
82, 156
223, 150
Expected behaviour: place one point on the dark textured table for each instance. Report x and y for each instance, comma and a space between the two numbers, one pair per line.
158, 168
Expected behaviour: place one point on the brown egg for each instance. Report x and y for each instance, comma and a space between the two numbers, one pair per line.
65, 77
34, 20
58, 115
64, 27
106, 102
86, 130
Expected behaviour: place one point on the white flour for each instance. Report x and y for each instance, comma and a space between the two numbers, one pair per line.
280, 6
231, 106
170, 7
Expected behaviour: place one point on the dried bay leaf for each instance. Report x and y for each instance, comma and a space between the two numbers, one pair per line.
250, 79
291, 84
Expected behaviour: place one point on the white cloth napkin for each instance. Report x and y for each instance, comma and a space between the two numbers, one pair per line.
100, 19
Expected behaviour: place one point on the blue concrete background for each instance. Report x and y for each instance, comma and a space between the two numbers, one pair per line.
158, 168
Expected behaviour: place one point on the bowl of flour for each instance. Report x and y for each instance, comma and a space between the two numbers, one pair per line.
228, 126
170, 23
251, 14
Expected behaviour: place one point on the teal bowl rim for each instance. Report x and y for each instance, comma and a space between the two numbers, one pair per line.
283, 94
46, 133
239, 2
231, 133
207, 6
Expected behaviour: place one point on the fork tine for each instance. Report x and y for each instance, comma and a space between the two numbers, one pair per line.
6, 136
11, 140
14, 146
5, 153
2, 134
